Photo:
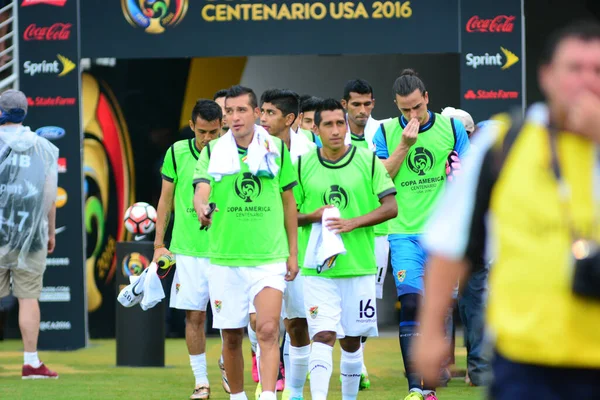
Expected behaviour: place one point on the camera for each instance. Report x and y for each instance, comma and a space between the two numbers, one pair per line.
586, 278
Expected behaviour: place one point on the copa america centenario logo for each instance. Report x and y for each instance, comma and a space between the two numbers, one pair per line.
154, 15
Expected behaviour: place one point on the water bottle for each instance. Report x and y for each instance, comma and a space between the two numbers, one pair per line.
165, 261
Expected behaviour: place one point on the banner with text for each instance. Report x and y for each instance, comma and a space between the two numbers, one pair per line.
211, 28
492, 57
49, 76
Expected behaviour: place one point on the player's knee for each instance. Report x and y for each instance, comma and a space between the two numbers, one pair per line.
268, 331
195, 319
233, 338
297, 328
350, 344
409, 306
326, 337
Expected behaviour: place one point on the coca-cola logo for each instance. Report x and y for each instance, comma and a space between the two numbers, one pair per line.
491, 94
57, 31
498, 24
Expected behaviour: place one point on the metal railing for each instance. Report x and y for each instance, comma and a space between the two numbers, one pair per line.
9, 57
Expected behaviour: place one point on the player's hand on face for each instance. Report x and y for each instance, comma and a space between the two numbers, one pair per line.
161, 251
317, 215
339, 225
583, 116
292, 268
410, 133
430, 350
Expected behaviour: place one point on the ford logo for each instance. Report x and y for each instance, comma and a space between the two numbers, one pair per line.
51, 132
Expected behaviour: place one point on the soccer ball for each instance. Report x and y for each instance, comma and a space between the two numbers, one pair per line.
140, 218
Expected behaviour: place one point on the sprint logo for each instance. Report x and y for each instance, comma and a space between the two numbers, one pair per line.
61, 66
504, 60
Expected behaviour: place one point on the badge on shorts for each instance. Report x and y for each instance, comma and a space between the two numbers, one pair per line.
313, 311
177, 288
401, 275
218, 304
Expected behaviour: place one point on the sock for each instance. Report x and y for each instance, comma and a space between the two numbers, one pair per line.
286, 355
319, 365
407, 331
221, 358
363, 342
350, 368
417, 390
258, 361
267, 396
253, 338
296, 374
198, 363
426, 392
31, 359
238, 396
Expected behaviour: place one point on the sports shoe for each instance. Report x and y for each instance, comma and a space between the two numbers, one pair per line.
201, 392
258, 391
286, 394
414, 396
280, 385
365, 383
431, 396
224, 380
41, 372
254, 368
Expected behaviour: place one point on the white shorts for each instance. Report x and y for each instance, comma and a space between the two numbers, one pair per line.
232, 289
293, 299
189, 290
382, 253
344, 305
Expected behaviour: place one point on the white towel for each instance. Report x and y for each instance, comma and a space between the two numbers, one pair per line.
370, 130
133, 293
262, 153
299, 145
323, 245
153, 290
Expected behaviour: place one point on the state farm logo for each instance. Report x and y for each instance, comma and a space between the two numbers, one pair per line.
492, 60
57, 3
40, 101
491, 95
57, 31
498, 24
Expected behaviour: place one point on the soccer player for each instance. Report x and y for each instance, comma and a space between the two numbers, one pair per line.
255, 231
359, 102
308, 106
414, 148
279, 109
219, 97
341, 300
189, 291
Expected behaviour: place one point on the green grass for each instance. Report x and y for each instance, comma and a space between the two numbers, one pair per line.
91, 374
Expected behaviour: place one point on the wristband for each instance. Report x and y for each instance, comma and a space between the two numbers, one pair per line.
159, 246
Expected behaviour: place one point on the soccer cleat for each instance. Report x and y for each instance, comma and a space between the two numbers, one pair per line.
258, 391
201, 392
414, 396
280, 385
431, 396
224, 380
254, 368
365, 383
285, 395
41, 372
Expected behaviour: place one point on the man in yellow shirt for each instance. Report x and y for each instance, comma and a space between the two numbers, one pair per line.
531, 191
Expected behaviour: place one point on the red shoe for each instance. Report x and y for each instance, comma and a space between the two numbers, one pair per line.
41, 372
280, 385
254, 368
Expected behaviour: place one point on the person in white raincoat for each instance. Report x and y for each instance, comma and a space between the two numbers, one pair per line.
28, 184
